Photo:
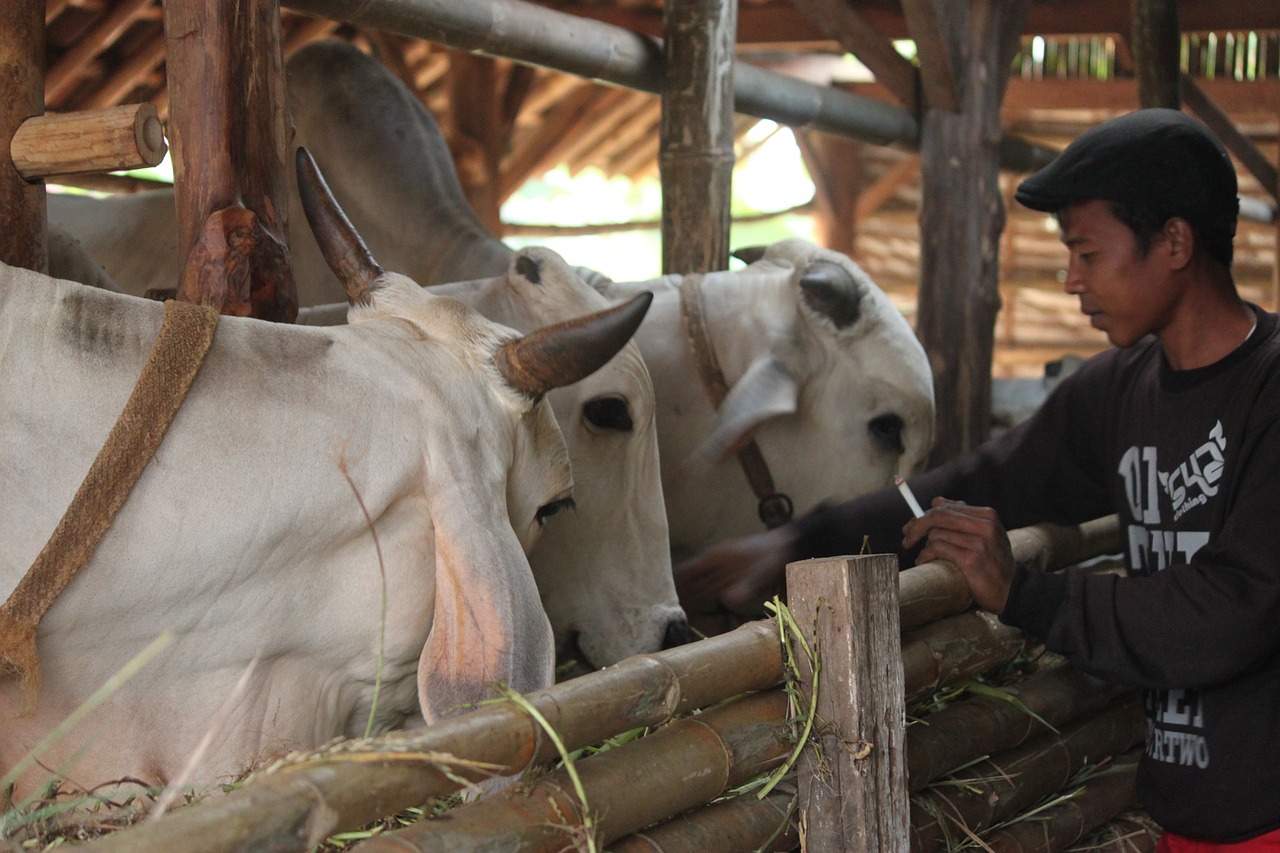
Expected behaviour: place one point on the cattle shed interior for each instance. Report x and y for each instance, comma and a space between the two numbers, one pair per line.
508, 122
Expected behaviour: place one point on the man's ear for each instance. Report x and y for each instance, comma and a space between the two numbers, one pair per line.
1181, 241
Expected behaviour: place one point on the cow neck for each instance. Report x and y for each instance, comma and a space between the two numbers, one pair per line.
185, 336
774, 508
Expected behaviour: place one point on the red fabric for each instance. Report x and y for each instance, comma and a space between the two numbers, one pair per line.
1171, 842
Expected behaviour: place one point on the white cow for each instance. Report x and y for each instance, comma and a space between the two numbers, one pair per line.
857, 401
247, 536
604, 571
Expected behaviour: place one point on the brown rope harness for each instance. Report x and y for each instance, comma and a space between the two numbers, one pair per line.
179, 350
774, 508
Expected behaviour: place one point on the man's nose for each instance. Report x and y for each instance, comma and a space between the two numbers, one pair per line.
1072, 282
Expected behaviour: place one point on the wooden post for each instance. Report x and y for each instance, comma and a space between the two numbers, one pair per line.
961, 218
1156, 42
696, 149
227, 132
477, 140
835, 165
23, 218
853, 778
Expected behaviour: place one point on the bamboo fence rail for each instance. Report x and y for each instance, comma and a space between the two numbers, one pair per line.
665, 791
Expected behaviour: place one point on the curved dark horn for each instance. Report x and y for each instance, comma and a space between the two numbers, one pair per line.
749, 254
559, 355
831, 290
343, 250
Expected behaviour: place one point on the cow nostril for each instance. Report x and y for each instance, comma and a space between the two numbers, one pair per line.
677, 633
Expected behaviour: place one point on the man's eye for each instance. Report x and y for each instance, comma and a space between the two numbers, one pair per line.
547, 510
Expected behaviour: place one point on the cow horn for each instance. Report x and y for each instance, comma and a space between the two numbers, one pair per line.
749, 254
561, 354
343, 250
831, 290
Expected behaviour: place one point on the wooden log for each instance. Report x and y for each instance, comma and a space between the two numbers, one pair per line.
986, 725
853, 777
1008, 784
23, 217
294, 807
1110, 791
696, 134
1157, 43
745, 822
109, 140
961, 219
956, 648
684, 765
227, 129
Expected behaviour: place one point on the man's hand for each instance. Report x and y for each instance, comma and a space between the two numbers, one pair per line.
972, 538
738, 575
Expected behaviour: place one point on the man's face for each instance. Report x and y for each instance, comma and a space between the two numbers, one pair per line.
1123, 293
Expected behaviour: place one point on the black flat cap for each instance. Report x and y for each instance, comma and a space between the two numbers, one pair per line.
1158, 157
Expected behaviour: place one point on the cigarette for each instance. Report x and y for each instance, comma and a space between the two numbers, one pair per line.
908, 496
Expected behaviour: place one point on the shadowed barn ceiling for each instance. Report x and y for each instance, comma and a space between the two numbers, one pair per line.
1075, 69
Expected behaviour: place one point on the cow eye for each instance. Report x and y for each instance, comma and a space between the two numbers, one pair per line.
609, 413
887, 430
547, 510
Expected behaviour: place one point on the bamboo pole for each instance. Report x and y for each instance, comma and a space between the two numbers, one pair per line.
1007, 784
931, 591
956, 648
295, 806
528, 33
686, 764
986, 725
744, 822
853, 780
695, 152
1103, 796
109, 140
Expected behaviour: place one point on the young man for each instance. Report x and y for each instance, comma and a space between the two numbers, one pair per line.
1177, 429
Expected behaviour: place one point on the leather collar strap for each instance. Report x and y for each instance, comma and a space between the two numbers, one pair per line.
774, 508
179, 350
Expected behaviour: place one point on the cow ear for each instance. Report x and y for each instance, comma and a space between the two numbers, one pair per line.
765, 391
831, 290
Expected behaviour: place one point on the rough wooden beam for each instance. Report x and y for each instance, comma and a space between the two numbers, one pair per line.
129, 75
646, 113
23, 218
937, 80
541, 150
1237, 143
879, 193
1260, 98
856, 35
309, 30
1156, 42
477, 140
64, 73
53, 9
227, 132
597, 124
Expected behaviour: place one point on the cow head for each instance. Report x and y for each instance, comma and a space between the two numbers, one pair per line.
488, 624
822, 370
603, 570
